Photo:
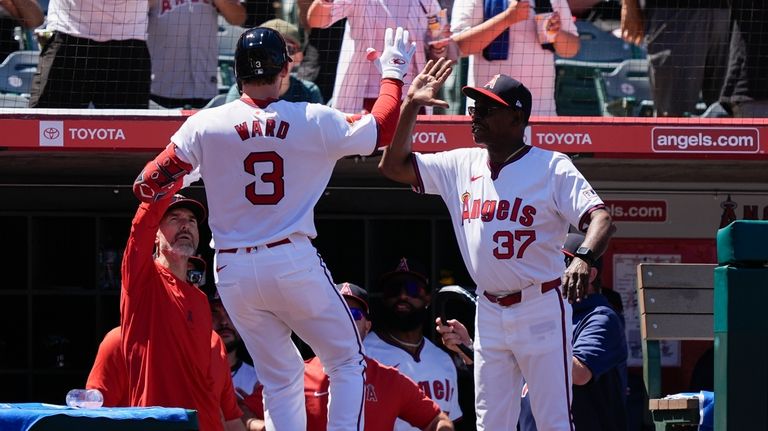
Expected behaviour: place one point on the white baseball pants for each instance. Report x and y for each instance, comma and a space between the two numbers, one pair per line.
526, 342
270, 291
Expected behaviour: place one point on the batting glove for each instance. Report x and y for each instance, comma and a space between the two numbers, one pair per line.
395, 60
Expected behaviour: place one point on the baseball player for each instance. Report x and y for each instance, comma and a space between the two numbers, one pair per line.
511, 207
266, 163
243, 375
399, 338
389, 394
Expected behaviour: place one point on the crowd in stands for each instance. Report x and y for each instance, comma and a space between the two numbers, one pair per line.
166, 53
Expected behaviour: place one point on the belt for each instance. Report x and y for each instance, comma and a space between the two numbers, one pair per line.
254, 248
515, 298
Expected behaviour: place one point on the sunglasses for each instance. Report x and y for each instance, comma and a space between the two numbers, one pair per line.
357, 313
414, 289
484, 111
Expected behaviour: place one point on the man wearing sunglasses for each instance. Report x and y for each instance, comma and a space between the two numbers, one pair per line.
389, 394
399, 341
511, 206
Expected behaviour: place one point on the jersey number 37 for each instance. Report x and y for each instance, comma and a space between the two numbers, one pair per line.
505, 243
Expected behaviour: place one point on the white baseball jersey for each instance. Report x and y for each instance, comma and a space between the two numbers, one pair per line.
509, 228
245, 378
510, 223
265, 169
527, 61
432, 369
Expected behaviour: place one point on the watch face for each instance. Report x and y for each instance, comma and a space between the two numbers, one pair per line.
583, 251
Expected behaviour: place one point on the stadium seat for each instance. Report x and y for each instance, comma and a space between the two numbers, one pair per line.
625, 91
226, 76
575, 92
17, 70
217, 100
228, 35
599, 45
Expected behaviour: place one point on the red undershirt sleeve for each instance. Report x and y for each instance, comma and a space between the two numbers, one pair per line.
386, 110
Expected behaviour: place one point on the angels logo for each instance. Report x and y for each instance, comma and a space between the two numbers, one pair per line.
749, 211
729, 212
492, 82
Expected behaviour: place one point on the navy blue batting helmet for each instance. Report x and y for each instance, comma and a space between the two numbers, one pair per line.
260, 52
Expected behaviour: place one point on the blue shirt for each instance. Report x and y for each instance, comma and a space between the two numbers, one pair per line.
600, 344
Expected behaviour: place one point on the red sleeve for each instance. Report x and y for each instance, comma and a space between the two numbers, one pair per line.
255, 402
138, 259
220, 371
386, 110
415, 408
109, 374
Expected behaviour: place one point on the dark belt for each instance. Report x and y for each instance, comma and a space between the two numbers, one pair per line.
254, 248
515, 298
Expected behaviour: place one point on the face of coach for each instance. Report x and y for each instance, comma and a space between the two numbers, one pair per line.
178, 235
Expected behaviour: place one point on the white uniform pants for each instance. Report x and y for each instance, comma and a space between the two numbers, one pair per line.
271, 291
526, 342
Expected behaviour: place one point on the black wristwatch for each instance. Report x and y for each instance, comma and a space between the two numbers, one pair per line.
586, 254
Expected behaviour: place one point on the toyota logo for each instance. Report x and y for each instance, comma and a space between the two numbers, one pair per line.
51, 133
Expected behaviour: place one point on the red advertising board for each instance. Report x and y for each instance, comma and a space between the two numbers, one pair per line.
144, 130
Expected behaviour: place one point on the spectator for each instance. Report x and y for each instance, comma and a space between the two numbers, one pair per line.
390, 395
399, 341
292, 89
159, 307
506, 42
243, 375
746, 84
357, 80
321, 57
97, 54
184, 45
687, 43
511, 205
16, 13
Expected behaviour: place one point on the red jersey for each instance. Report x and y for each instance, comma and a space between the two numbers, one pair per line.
166, 327
222, 378
109, 374
389, 395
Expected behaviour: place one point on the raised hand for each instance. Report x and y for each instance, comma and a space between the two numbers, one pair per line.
395, 59
425, 86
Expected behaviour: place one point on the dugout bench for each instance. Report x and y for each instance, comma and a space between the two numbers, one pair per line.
676, 303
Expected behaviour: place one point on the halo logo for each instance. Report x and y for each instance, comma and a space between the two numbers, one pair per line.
51, 133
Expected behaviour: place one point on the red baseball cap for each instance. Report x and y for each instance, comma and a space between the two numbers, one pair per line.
181, 201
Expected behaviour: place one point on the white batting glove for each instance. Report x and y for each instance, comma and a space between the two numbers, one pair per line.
395, 60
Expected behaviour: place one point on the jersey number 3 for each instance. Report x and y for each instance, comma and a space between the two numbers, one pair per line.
274, 177
506, 242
